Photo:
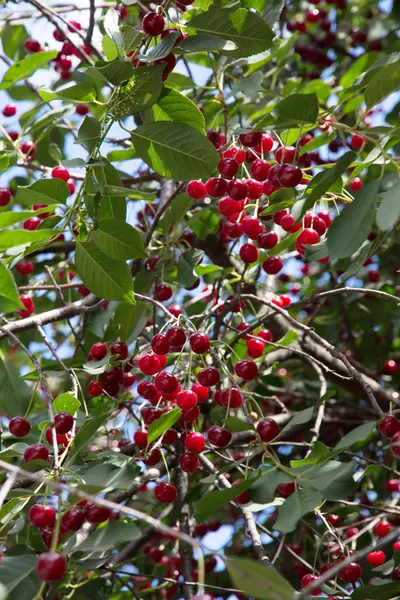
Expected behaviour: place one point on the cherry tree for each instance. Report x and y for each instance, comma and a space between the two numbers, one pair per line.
199, 293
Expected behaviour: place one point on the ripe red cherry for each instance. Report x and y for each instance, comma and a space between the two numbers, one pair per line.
382, 528
216, 187
163, 292
119, 348
113, 375
315, 222
60, 173
351, 573
307, 237
228, 397
166, 383
201, 391
389, 425
228, 167
392, 485
268, 429
170, 436
265, 334
82, 110
189, 462
73, 519
287, 154
199, 342
255, 348
160, 344
251, 226
19, 426
5, 197
32, 223
9, 110
376, 558
390, 367
195, 442
150, 414
251, 139
141, 438
356, 142
95, 388
238, 189
35, 452
51, 566
306, 580
248, 253
374, 276
208, 377
186, 399
286, 489
228, 206
24, 267
246, 369
96, 514
42, 515
356, 184
289, 176
98, 350
32, 46
259, 169
165, 492
176, 337
196, 190
219, 436
396, 573
268, 240
153, 24
63, 422
149, 364
272, 265
29, 149
233, 230
60, 439
29, 306
255, 189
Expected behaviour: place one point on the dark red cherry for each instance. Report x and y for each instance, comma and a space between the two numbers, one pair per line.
268, 429
219, 436
165, 492
63, 422
51, 566
96, 514
19, 427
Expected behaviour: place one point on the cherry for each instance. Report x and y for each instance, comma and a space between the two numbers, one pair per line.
95, 388
166, 383
306, 580
32, 46
208, 377
286, 489
42, 515
196, 190
255, 348
175, 309
306, 237
119, 348
351, 572
195, 442
149, 364
234, 152
229, 397
382, 528
289, 176
148, 391
35, 452
19, 426
153, 458
201, 391
233, 230
268, 240
98, 350
376, 558
141, 438
170, 436
165, 492
272, 265
248, 253
216, 187
176, 337
96, 514
237, 189
28, 303
150, 414
392, 485
356, 184
60, 173
246, 369
243, 497
51, 566
219, 436
9, 110
313, 16
251, 226
255, 189
351, 531
374, 276
163, 292
396, 546
251, 139
333, 519
228, 206
287, 154
389, 425
32, 223
5, 197
73, 519
396, 573
356, 142
268, 429
259, 169
189, 462
160, 344
113, 375
214, 137
60, 439
199, 342
186, 399
265, 334
82, 109
29, 149
228, 167
153, 24
63, 422
390, 367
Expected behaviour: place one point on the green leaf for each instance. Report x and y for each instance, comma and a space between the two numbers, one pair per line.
129, 319
119, 240
4, 161
108, 278
117, 72
12, 38
14, 450
213, 501
362, 64
389, 210
272, 11
174, 106
112, 208
204, 224
186, 265
178, 81
16, 401
262, 491
24, 68
236, 424
385, 81
43, 191
66, 403
162, 49
343, 237
295, 507
109, 48
111, 26
131, 38
319, 453
376, 592
14, 570
141, 91
85, 433
18, 237
89, 133
333, 479
161, 425
262, 582
358, 434
246, 29
108, 476
109, 536
300, 418
207, 43
175, 150
9, 296
297, 109
289, 337
81, 92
